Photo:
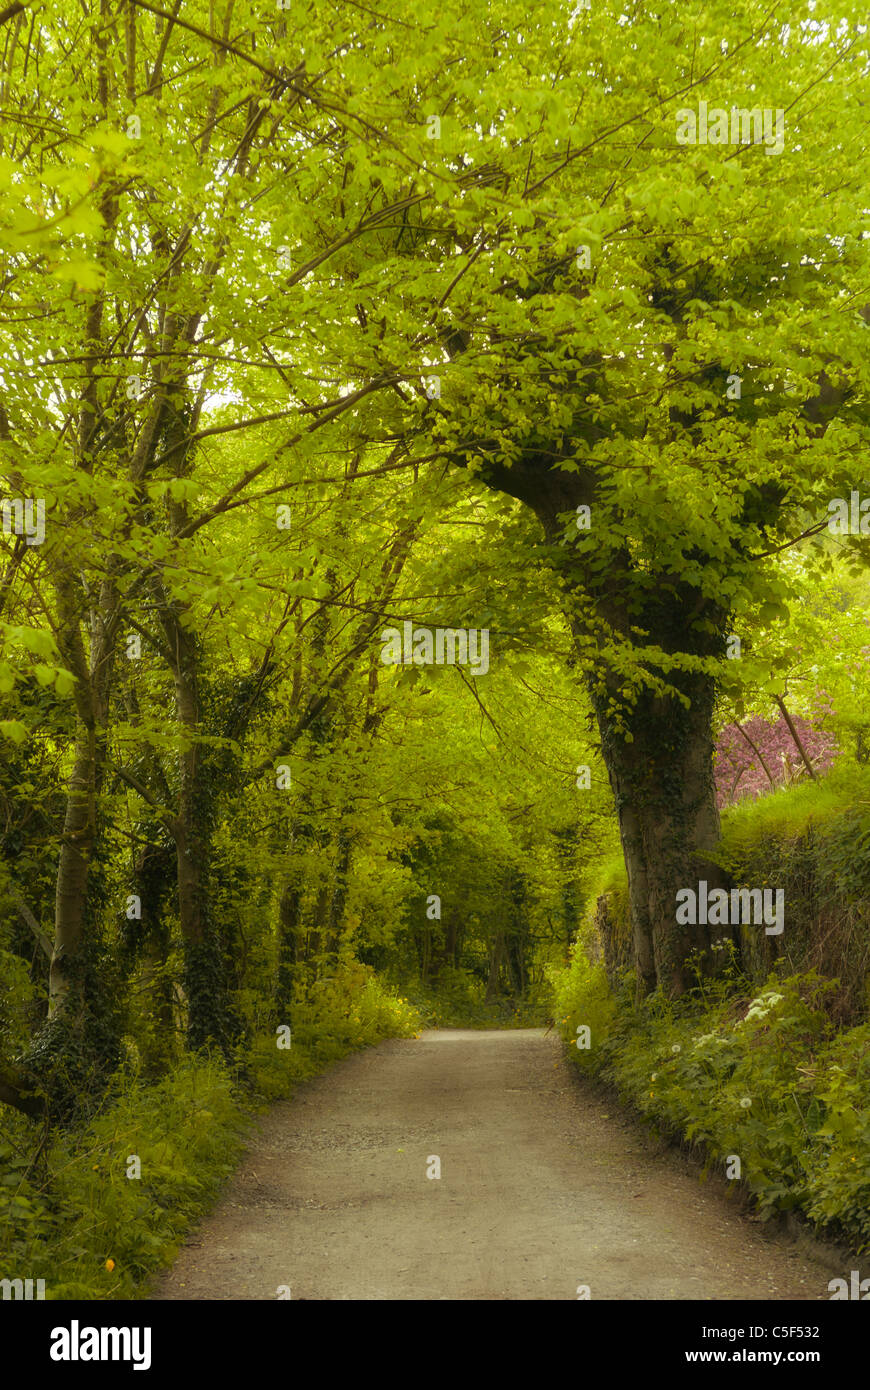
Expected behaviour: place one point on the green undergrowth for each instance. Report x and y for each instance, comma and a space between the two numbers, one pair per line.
606, 875
457, 999
758, 1074
837, 807
69, 1212
770, 1065
812, 841
342, 1014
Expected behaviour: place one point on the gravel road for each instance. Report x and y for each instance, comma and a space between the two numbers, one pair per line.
544, 1187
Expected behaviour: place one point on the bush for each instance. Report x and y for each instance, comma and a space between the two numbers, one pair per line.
353, 1008
582, 997
93, 1232
812, 840
457, 999
763, 1079
70, 1215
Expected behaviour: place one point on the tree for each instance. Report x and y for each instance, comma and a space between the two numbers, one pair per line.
440, 255
622, 357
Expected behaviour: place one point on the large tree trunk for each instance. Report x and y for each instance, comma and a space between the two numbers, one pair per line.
78, 838
77, 1045
662, 782
76, 846
662, 773
205, 983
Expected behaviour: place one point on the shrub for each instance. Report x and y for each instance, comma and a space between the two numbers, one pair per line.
762, 1078
70, 1215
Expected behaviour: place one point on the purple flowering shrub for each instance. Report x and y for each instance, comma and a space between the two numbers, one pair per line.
758, 756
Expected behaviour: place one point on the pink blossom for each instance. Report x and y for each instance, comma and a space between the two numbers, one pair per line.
742, 769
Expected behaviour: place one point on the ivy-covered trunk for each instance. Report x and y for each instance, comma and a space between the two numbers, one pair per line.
659, 760
205, 976
78, 837
205, 983
76, 846
79, 1040
654, 715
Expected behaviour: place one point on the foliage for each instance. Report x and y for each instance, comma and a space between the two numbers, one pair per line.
83, 1210
457, 999
67, 1206
757, 1077
754, 758
352, 1009
237, 251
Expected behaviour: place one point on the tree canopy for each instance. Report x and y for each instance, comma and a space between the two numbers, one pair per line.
318, 321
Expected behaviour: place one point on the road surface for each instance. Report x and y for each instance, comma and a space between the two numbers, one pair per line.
545, 1189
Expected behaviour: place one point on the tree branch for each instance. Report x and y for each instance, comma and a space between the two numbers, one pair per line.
169, 820
21, 1091
27, 915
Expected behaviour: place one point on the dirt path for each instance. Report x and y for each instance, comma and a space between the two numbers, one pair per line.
543, 1187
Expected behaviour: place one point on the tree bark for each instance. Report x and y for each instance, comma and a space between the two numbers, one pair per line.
78, 838
658, 752
796, 736
205, 982
20, 1091
662, 782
